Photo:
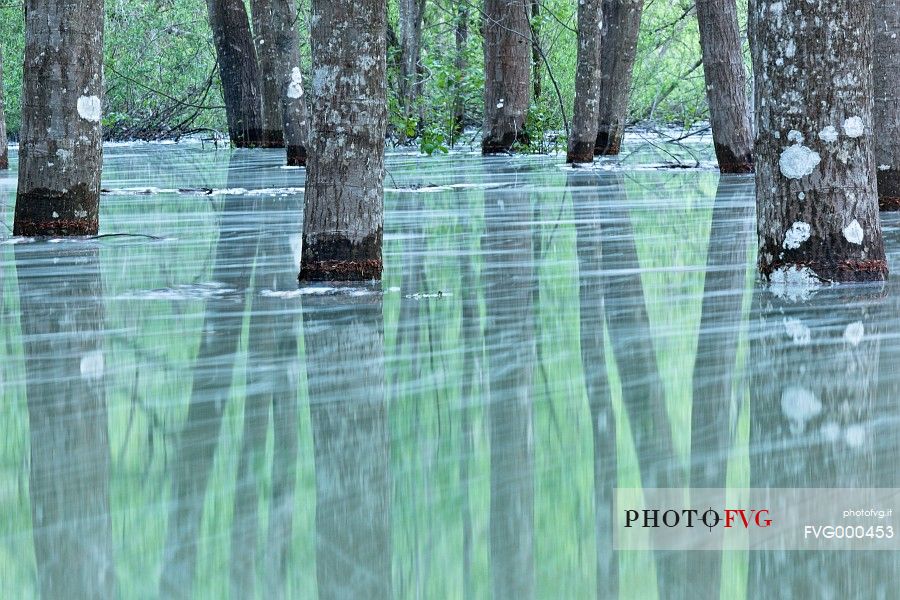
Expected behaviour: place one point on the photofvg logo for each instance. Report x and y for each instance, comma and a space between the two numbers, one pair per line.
755, 519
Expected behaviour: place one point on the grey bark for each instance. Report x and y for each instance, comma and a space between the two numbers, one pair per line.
536, 48
817, 204
351, 441
4, 146
283, 104
412, 13
618, 53
586, 115
238, 70
62, 319
61, 146
344, 204
507, 73
460, 64
726, 84
887, 102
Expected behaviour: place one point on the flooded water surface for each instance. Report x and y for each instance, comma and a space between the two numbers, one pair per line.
180, 419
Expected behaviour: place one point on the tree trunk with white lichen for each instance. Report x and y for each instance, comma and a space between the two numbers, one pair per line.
238, 70
887, 102
4, 147
263, 17
817, 205
726, 84
61, 147
622, 19
507, 74
344, 204
587, 83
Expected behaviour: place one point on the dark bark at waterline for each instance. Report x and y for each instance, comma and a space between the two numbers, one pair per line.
587, 83
67, 415
617, 55
507, 73
4, 146
344, 204
61, 147
726, 84
887, 102
817, 203
238, 70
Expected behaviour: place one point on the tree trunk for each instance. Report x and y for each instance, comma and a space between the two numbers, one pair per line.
62, 329
887, 102
352, 446
4, 146
726, 84
536, 48
290, 90
817, 203
264, 24
617, 56
61, 148
507, 73
238, 70
587, 83
411, 15
344, 210
461, 65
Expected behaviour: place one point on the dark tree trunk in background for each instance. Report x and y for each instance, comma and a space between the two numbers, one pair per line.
263, 17
726, 84
622, 20
536, 47
283, 103
238, 70
290, 84
61, 147
411, 14
816, 195
460, 64
507, 73
4, 147
887, 102
352, 444
587, 83
62, 321
342, 222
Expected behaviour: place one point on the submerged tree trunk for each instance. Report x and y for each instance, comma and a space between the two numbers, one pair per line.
587, 83
290, 84
726, 84
62, 332
61, 148
816, 198
238, 70
507, 73
4, 147
342, 221
622, 20
887, 102
412, 13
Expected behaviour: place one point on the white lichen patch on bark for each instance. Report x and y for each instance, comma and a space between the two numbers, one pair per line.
854, 232
798, 161
829, 134
89, 108
853, 127
795, 136
796, 235
854, 333
295, 87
